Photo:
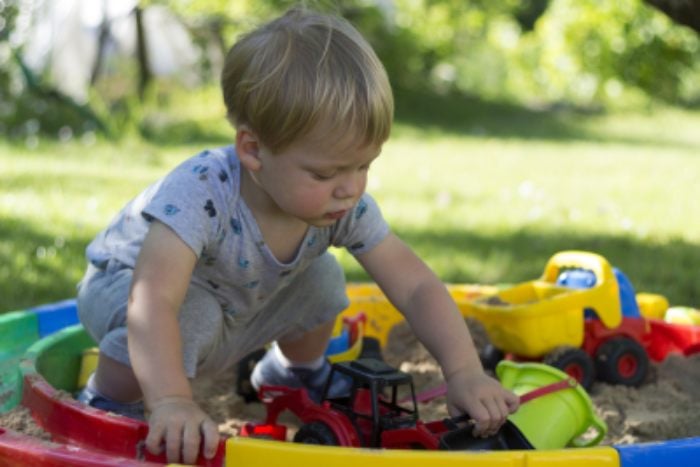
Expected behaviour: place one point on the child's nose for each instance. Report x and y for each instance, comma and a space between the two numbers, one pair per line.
350, 186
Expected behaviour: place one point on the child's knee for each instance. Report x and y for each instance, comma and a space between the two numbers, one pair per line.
102, 302
201, 322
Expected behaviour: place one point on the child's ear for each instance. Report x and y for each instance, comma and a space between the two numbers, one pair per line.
248, 148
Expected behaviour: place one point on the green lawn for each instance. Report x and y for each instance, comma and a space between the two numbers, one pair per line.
485, 193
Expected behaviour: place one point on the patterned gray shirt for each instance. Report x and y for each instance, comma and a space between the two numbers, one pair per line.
200, 201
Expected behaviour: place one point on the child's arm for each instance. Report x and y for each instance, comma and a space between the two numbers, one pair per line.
160, 282
423, 299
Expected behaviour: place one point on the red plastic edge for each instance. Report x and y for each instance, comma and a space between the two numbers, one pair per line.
71, 422
22, 450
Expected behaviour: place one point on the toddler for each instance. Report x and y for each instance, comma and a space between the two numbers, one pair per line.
228, 251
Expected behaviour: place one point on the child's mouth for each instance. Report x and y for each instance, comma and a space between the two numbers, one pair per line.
336, 215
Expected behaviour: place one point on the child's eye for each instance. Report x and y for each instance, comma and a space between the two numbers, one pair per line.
321, 176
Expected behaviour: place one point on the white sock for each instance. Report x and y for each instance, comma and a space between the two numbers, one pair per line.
287, 363
92, 386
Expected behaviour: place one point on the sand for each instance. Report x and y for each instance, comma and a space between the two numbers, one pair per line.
665, 407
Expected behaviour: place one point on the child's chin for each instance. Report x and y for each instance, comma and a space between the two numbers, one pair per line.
323, 222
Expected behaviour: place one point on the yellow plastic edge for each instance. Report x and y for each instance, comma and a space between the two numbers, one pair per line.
88, 364
652, 305
382, 316
247, 452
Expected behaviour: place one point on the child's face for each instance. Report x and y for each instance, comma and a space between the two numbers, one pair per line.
316, 181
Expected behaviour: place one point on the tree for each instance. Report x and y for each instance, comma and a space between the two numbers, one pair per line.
685, 12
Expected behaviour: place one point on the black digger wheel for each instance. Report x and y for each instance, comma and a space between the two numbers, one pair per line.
245, 368
316, 433
622, 360
574, 362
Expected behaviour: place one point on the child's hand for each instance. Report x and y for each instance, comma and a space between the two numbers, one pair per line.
483, 398
180, 424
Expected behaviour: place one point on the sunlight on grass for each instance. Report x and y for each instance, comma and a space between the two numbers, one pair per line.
69, 185
495, 186
478, 208
630, 184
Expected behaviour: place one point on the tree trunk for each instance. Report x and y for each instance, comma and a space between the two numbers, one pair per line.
141, 53
101, 44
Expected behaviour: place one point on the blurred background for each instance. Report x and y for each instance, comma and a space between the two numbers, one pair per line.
522, 128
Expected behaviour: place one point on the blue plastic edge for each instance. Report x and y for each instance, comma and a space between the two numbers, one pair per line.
53, 317
684, 451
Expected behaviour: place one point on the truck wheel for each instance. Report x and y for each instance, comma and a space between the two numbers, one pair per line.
622, 360
316, 433
490, 355
574, 362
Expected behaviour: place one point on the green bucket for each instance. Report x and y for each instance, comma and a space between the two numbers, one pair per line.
555, 420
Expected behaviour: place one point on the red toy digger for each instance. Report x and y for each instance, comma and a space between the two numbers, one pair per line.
379, 412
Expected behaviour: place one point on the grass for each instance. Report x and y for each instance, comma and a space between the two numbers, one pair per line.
483, 192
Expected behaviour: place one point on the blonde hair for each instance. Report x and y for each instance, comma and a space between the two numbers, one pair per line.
302, 70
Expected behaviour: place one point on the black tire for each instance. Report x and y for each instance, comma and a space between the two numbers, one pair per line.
490, 355
245, 368
622, 360
574, 362
371, 348
316, 433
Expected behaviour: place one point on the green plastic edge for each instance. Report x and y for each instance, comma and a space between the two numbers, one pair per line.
57, 357
18, 331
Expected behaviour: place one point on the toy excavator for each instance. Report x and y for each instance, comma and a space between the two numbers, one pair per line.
378, 412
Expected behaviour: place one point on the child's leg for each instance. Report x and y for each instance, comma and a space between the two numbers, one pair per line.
300, 363
309, 346
102, 305
311, 301
309, 311
113, 387
116, 381
102, 299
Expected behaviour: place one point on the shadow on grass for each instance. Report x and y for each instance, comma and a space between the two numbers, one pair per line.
464, 256
456, 113
465, 115
461, 114
35, 268
175, 132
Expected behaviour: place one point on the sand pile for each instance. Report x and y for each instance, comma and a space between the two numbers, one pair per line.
666, 407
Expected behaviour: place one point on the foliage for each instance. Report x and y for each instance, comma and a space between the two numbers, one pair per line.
585, 52
592, 53
591, 50
8, 16
28, 107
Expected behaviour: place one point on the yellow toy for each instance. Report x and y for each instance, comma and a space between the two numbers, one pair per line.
533, 318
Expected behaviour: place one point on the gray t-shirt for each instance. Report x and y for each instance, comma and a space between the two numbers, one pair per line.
200, 201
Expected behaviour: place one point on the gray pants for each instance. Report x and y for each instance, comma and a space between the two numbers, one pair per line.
214, 341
